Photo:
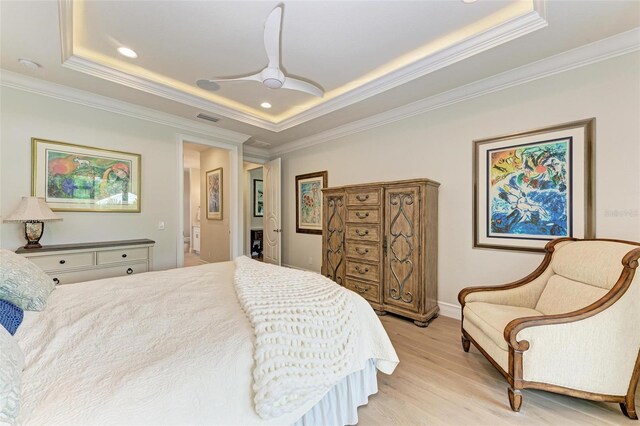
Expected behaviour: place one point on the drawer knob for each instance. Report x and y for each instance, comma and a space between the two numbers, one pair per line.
62, 262
362, 252
362, 215
361, 289
129, 271
361, 270
124, 255
362, 197
362, 233
56, 281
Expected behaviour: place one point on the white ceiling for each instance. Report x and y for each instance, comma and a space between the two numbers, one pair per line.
369, 56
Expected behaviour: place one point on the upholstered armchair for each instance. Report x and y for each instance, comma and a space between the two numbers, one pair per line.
570, 327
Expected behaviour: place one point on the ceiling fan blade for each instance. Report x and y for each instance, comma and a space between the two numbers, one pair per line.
302, 86
212, 83
272, 37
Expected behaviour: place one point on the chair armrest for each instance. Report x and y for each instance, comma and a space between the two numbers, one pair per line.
495, 293
629, 262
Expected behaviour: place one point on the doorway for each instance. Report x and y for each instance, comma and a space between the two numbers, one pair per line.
209, 224
254, 211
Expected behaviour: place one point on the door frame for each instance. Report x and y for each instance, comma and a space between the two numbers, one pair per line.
235, 198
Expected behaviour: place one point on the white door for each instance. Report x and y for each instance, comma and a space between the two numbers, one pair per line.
272, 231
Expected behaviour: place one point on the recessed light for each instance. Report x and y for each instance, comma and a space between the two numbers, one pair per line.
265, 105
29, 63
468, 1
129, 53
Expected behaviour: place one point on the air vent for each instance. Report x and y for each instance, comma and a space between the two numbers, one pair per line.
208, 117
261, 144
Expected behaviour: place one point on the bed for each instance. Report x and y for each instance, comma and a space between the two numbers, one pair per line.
170, 347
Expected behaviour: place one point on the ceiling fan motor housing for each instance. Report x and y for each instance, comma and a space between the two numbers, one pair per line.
273, 78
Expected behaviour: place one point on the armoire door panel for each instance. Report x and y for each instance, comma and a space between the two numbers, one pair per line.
402, 261
333, 235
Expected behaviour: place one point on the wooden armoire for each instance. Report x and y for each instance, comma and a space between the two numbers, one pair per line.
381, 241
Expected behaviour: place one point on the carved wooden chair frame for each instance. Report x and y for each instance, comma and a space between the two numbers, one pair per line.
516, 348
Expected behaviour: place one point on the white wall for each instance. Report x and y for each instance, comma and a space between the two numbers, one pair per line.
438, 145
26, 115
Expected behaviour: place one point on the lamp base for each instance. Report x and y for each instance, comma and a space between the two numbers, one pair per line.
33, 232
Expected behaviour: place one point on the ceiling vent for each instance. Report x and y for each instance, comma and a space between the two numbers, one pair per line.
260, 144
208, 118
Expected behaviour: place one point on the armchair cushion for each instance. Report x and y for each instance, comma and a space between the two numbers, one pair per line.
492, 319
562, 295
596, 263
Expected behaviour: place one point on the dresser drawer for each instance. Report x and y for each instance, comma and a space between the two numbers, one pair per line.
363, 215
99, 273
122, 255
367, 290
363, 271
363, 232
363, 251
364, 197
62, 261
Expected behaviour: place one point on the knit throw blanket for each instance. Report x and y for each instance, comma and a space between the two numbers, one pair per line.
305, 332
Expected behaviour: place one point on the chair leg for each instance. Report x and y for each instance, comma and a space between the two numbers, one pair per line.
629, 408
515, 399
466, 343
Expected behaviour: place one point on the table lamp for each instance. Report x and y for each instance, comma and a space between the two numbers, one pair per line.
33, 211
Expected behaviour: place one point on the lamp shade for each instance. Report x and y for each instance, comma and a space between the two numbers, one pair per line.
32, 209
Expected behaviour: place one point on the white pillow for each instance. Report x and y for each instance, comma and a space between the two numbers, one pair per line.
11, 365
23, 283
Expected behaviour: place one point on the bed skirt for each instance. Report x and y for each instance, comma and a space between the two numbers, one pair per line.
340, 405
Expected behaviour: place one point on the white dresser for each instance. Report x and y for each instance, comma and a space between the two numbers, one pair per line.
72, 263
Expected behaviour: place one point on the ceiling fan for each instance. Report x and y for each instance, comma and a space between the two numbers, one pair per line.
271, 76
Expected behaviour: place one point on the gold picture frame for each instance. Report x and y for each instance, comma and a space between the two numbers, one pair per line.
215, 194
534, 186
79, 178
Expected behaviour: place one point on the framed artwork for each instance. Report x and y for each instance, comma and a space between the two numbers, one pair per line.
309, 202
534, 186
214, 194
84, 179
258, 198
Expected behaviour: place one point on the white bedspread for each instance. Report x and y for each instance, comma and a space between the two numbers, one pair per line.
171, 347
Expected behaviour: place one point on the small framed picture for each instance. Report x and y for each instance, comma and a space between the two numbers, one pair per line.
215, 194
532, 187
258, 199
309, 202
81, 178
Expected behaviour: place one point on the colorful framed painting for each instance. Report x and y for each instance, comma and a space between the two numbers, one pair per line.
85, 179
534, 186
258, 198
309, 202
214, 194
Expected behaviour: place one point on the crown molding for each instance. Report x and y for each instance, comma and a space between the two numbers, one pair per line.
253, 151
598, 51
480, 42
65, 93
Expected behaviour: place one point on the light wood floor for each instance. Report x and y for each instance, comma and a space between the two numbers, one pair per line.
192, 259
437, 383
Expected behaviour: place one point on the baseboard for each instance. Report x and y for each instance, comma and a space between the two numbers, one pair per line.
449, 310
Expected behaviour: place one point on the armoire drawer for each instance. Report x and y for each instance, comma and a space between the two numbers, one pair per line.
62, 261
356, 215
367, 290
122, 255
363, 251
363, 271
363, 197
363, 232
99, 273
